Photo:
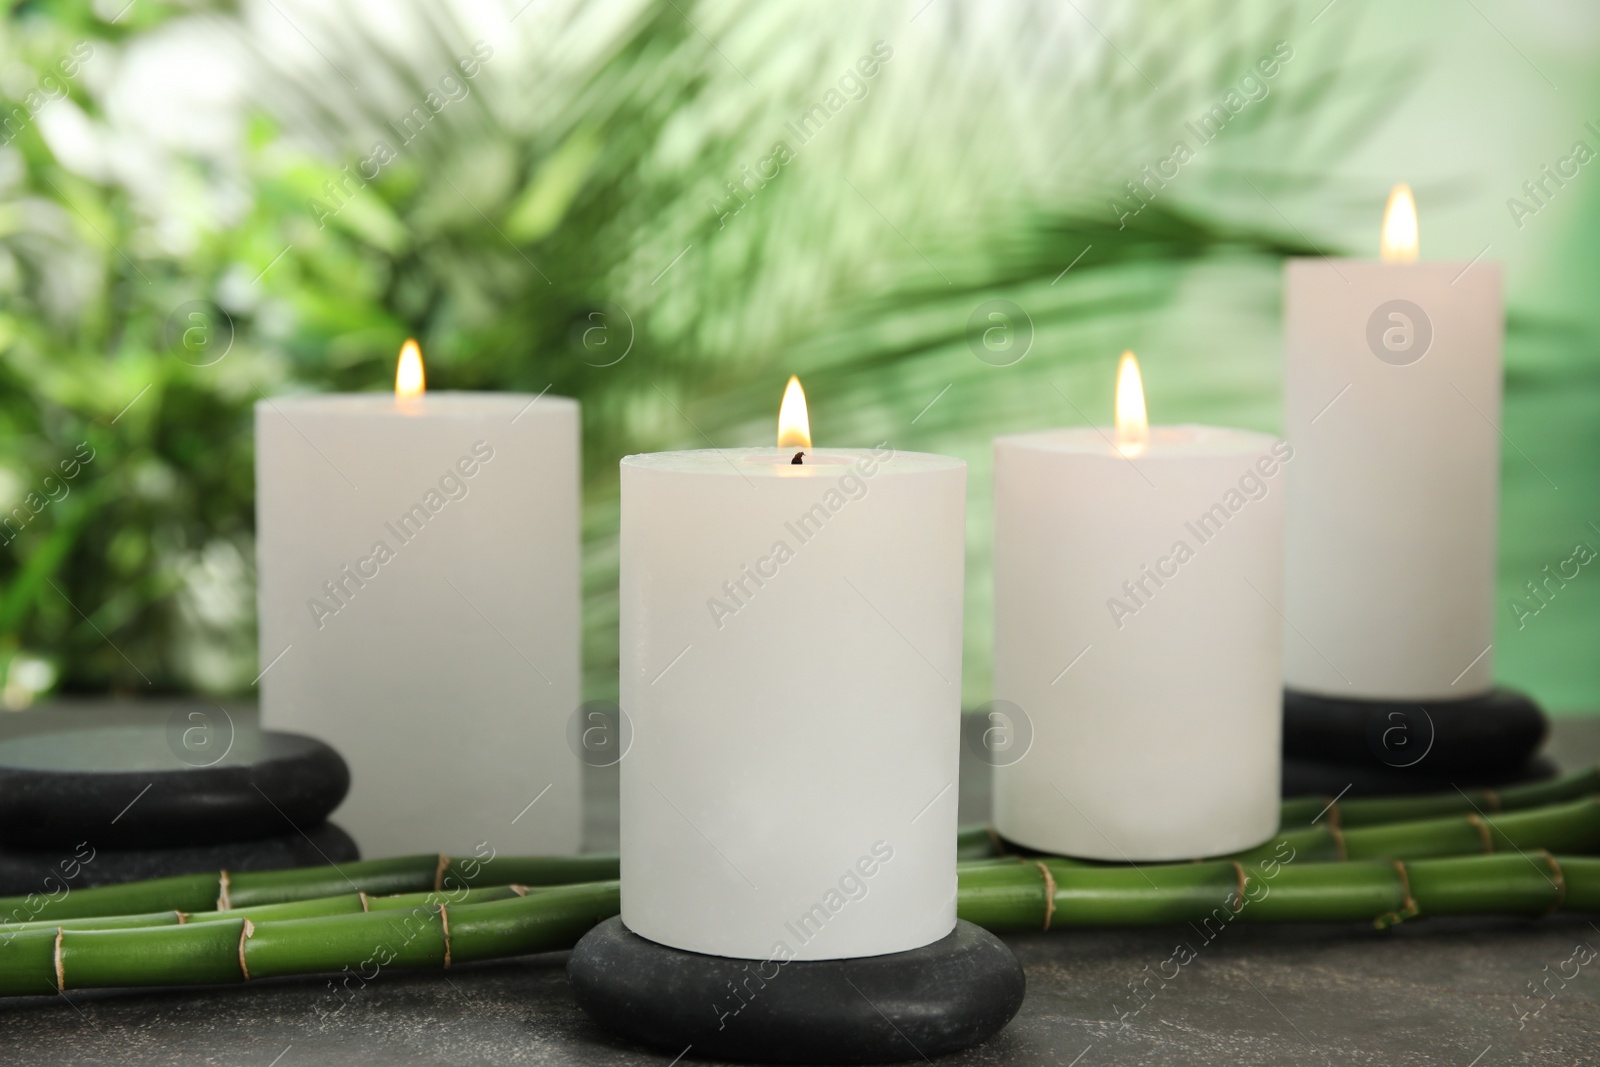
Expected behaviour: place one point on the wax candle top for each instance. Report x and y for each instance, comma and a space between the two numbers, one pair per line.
1133, 438
436, 404
767, 463
1164, 442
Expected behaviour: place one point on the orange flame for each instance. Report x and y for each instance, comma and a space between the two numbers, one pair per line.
1399, 242
409, 382
794, 423
1133, 425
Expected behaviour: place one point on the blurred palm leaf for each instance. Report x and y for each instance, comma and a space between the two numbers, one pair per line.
591, 172
595, 164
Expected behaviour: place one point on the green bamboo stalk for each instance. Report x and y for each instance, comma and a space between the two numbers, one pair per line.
1043, 894
976, 842
1570, 827
227, 891
1573, 826
235, 949
1299, 812
315, 907
1046, 894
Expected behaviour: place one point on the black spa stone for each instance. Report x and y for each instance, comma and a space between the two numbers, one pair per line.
913, 1005
1489, 735
142, 785
49, 871
1304, 778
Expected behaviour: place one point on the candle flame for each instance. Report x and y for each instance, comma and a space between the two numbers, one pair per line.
1133, 425
1399, 244
408, 378
794, 424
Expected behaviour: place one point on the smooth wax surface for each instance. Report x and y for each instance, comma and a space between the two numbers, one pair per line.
791, 664
1136, 629
1393, 501
418, 570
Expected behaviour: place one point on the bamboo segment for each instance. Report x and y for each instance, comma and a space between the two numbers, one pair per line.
317, 907
207, 954
1570, 827
1299, 812
1302, 815
1219, 892
414, 937
1573, 826
1033, 895
976, 842
233, 891
513, 928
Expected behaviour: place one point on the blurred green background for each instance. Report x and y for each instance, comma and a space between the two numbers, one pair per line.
204, 203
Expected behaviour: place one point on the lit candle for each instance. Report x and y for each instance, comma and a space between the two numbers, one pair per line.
1135, 576
418, 571
791, 664
1392, 403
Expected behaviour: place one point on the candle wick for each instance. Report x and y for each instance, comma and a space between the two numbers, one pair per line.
797, 460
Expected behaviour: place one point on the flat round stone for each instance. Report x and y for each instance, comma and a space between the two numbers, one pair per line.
145, 786
915, 1005
48, 871
1303, 778
1491, 734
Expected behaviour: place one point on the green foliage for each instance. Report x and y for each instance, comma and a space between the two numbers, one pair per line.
534, 200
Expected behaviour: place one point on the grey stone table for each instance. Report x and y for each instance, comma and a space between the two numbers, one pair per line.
1434, 992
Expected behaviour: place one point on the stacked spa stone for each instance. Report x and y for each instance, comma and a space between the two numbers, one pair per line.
111, 794
1375, 747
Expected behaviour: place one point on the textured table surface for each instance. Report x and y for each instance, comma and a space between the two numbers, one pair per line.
1434, 992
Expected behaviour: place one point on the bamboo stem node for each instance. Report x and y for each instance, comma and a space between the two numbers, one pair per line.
1049, 894
245, 933
1238, 894
1337, 836
438, 872
1408, 904
366, 905
1335, 816
61, 970
1483, 831
444, 921
1493, 800
223, 901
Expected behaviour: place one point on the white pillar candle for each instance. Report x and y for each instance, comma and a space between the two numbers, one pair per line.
418, 573
791, 665
1135, 629
1392, 402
